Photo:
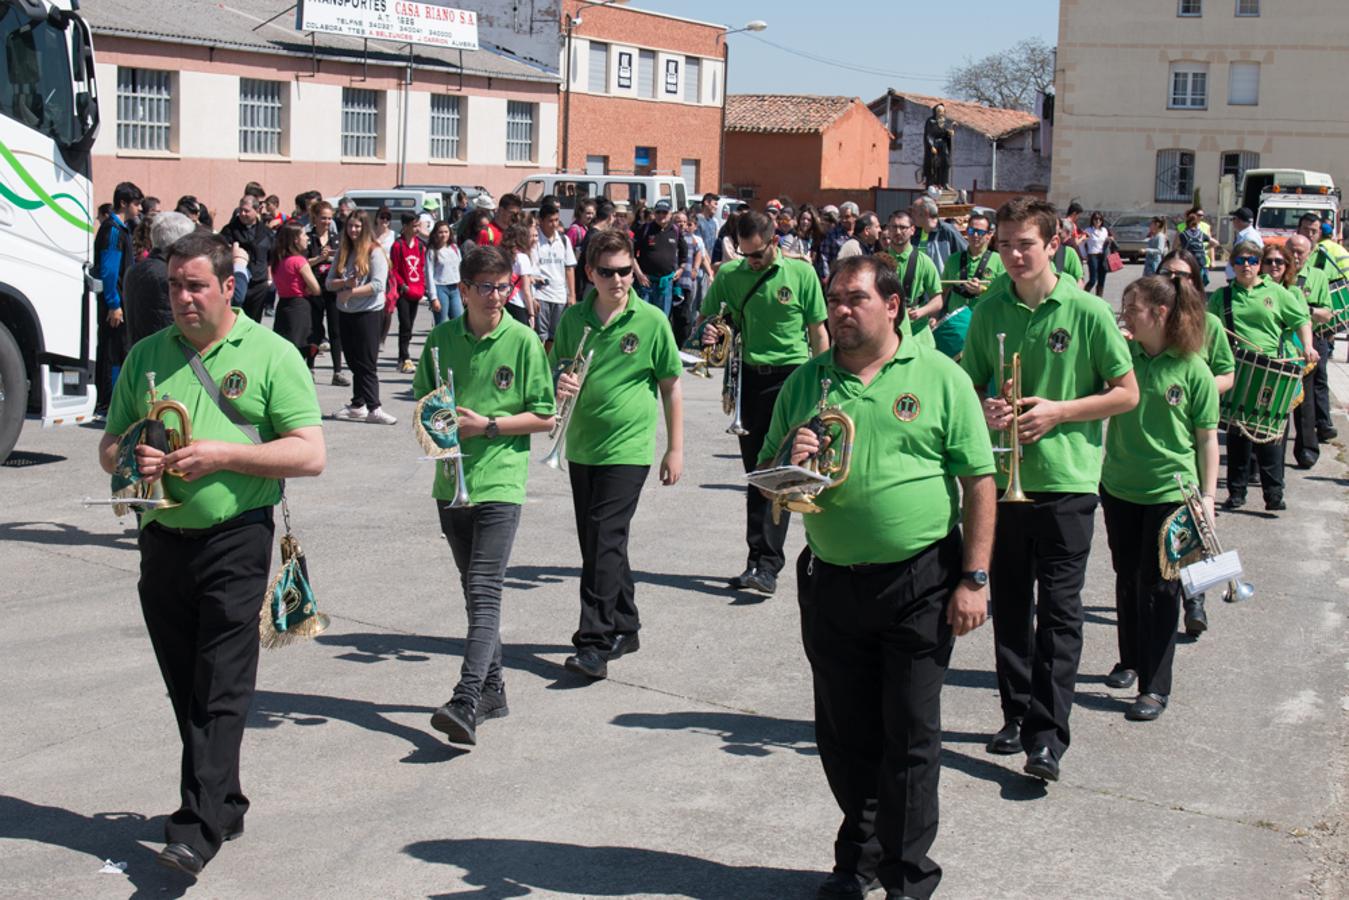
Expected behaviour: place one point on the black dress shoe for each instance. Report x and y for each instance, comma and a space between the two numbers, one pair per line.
763, 582
1008, 739
623, 644
1234, 501
1274, 504
1305, 460
1196, 620
1146, 708
739, 581
1121, 677
183, 858
588, 663
458, 721
1326, 434
1042, 764
846, 886
492, 704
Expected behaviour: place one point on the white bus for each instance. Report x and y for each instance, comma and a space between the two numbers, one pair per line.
48, 121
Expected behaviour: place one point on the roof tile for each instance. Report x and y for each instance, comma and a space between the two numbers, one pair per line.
784, 113
991, 121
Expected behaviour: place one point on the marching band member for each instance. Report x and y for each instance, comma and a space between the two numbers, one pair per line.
886, 581
205, 563
919, 278
1076, 372
610, 439
1311, 419
1258, 313
503, 394
1170, 432
776, 304
1330, 260
1217, 347
969, 273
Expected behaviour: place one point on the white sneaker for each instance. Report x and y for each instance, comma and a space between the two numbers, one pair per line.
350, 413
378, 416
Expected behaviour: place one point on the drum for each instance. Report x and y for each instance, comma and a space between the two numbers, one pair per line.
1339, 308
950, 333
1263, 393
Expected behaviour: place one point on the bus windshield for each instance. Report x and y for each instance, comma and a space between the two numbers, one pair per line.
35, 80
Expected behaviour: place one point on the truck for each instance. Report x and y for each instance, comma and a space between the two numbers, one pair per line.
1280, 197
48, 122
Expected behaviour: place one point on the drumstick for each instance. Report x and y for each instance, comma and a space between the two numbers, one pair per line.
1257, 349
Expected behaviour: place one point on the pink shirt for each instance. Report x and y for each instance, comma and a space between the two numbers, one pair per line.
286, 276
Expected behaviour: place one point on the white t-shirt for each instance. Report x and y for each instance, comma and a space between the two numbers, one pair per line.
521, 270
551, 260
1096, 238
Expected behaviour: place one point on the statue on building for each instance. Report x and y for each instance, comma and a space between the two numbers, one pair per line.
938, 144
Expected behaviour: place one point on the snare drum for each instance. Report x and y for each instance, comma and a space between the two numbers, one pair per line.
1339, 308
951, 331
1263, 393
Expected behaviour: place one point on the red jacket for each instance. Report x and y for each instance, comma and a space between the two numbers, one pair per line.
407, 268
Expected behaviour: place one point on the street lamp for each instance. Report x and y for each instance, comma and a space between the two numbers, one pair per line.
753, 25
569, 22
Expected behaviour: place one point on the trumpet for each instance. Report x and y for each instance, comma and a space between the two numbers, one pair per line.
436, 423
129, 486
578, 366
795, 488
715, 354
1014, 493
1236, 589
732, 386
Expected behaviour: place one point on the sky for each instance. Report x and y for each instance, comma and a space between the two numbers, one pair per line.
907, 45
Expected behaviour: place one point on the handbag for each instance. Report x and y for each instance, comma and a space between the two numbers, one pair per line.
1112, 259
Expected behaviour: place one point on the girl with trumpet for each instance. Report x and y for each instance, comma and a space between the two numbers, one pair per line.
1170, 433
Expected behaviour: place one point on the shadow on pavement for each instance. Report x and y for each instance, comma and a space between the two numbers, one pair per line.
524, 578
1014, 785
115, 836
739, 488
972, 678
25, 459
271, 709
503, 868
60, 534
741, 734
375, 647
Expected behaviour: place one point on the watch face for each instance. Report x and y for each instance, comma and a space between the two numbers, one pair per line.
979, 577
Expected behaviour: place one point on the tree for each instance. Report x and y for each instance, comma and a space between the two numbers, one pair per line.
1010, 80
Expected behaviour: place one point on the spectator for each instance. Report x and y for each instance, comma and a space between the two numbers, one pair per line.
256, 191
458, 210
1097, 241
149, 207
445, 260
104, 211
384, 233
604, 215
935, 237
810, 233
582, 216
145, 287
694, 277
472, 225
866, 238
486, 233
189, 206
295, 284
1155, 248
840, 235
112, 258
660, 254
516, 241
271, 212
553, 255
1244, 220
706, 221
323, 240
248, 231
409, 275
358, 279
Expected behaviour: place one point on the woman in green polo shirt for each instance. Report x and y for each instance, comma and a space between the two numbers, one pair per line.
1171, 432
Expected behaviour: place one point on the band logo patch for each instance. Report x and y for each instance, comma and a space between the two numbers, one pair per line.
444, 421
233, 384
784, 295
1269, 302
628, 343
1174, 394
503, 378
907, 408
1058, 341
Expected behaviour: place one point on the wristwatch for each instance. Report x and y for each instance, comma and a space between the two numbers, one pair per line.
492, 430
978, 577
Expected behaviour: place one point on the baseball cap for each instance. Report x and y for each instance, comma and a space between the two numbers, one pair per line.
662, 206
772, 204
484, 201
830, 210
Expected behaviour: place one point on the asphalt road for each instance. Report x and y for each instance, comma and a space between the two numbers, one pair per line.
691, 772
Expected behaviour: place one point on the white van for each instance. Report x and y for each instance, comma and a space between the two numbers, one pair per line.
408, 198
569, 188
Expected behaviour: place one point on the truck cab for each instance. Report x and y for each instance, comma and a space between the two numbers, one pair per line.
1281, 197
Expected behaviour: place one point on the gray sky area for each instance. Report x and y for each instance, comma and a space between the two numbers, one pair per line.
901, 44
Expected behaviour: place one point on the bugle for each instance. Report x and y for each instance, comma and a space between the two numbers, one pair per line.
436, 424
795, 488
1215, 564
717, 353
578, 365
130, 487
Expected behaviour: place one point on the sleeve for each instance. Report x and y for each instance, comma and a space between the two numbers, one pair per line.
241, 279
538, 381
397, 260
1110, 352
1203, 400
928, 278
977, 359
969, 449
110, 270
565, 338
425, 380
951, 271
128, 398
1218, 353
1293, 310
291, 403
569, 252
958, 240
1072, 265
664, 353
1321, 295
812, 297
715, 296
379, 272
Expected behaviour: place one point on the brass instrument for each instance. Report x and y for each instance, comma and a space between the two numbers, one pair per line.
795, 488
129, 487
1014, 493
732, 386
715, 354
578, 366
1236, 590
436, 423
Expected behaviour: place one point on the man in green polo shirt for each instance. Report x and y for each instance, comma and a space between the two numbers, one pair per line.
919, 278
887, 580
206, 562
1330, 260
611, 437
504, 393
776, 305
1311, 420
1075, 371
971, 272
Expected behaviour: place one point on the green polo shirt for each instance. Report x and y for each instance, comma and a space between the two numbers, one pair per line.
919, 427
1072, 264
1262, 314
274, 390
1217, 347
1313, 286
961, 267
1070, 346
926, 284
1146, 447
613, 421
503, 373
773, 319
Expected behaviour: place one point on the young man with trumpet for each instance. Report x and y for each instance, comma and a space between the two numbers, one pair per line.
1075, 371
775, 304
610, 438
887, 580
205, 562
502, 394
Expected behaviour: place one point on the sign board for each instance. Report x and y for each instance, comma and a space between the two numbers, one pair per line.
672, 76
399, 21
624, 70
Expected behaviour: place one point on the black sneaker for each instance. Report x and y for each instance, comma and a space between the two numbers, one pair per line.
845, 886
458, 721
1196, 620
763, 582
589, 663
623, 644
492, 704
1234, 501
183, 858
1274, 504
1326, 434
740, 581
341, 380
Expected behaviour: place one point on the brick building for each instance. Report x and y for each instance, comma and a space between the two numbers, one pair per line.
642, 92
807, 148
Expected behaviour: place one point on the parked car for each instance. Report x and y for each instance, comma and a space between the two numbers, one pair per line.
409, 198
1130, 231
569, 188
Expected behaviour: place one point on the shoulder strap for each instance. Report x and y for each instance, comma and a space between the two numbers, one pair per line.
763, 276
983, 264
910, 268
1227, 315
1059, 256
213, 391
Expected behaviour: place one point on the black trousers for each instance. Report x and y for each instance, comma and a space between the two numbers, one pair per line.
324, 307
294, 321
360, 341
407, 317
256, 298
879, 646
1269, 457
1147, 605
110, 353
764, 539
605, 499
518, 313
1037, 635
200, 596
1313, 413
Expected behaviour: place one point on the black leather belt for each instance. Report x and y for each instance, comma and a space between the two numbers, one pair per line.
770, 370
252, 517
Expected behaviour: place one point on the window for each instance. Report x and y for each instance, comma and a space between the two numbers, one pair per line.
259, 116
360, 123
597, 165
1237, 162
646, 73
1175, 176
445, 124
144, 109
519, 131
688, 168
1190, 8
35, 84
597, 81
1189, 86
1248, 7
644, 160
693, 70
1243, 84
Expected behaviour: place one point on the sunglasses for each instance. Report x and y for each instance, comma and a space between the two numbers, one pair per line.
488, 288
978, 232
1245, 260
1276, 262
757, 254
620, 271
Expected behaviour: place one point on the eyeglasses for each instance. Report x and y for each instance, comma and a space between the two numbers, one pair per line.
1245, 260
1272, 262
488, 288
757, 254
977, 232
620, 271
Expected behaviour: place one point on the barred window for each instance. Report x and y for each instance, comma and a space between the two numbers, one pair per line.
1236, 162
519, 131
144, 109
1190, 8
259, 116
360, 122
1175, 176
693, 70
1248, 7
445, 124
